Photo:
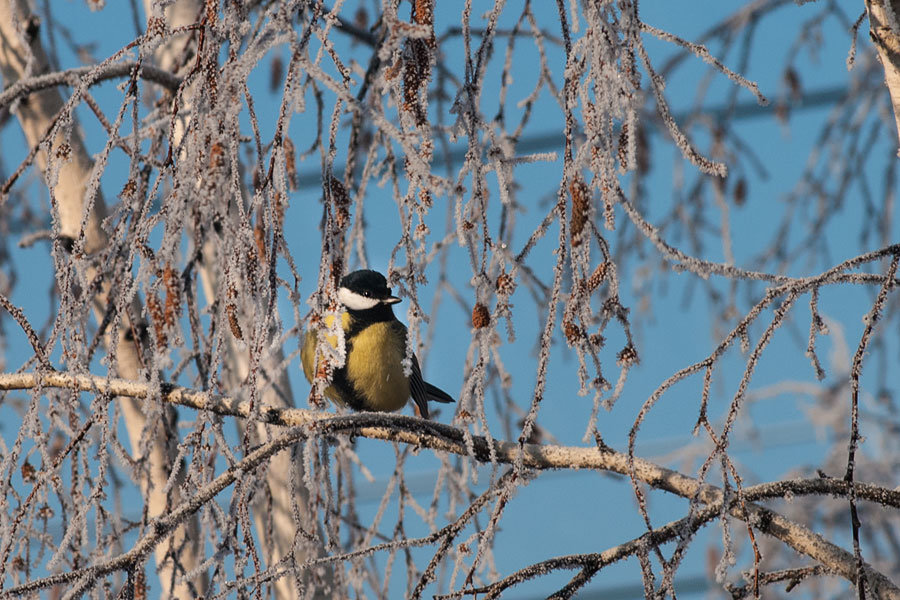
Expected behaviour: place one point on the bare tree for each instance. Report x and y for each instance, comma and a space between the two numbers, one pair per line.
532, 205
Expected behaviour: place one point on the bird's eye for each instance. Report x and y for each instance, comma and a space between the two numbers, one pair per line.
367, 294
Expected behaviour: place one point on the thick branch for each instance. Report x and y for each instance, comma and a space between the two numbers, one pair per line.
422, 433
885, 33
24, 87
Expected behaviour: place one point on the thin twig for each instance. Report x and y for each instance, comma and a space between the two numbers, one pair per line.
427, 434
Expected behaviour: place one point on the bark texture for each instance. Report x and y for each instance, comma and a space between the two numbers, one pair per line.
884, 30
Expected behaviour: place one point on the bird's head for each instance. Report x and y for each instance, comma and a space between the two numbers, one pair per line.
364, 290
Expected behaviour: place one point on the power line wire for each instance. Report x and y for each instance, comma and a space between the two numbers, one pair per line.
547, 141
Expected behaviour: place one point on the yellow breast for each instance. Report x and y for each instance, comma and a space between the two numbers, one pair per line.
374, 366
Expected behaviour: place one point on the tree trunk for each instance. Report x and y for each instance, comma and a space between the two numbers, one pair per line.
67, 169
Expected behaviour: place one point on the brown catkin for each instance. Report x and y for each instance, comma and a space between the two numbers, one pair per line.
29, 473
740, 192
481, 317
276, 73
157, 316
172, 283
581, 202
623, 147
140, 585
216, 156
627, 356
417, 62
572, 331
290, 164
259, 236
597, 277
232, 314
128, 190
506, 285
341, 201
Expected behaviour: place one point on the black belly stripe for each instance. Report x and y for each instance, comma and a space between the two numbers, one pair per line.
349, 394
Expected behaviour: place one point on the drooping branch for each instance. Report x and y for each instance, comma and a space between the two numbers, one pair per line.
280, 508
444, 438
159, 529
24, 87
589, 564
222, 220
79, 211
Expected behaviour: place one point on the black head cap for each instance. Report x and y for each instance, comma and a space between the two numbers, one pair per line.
366, 282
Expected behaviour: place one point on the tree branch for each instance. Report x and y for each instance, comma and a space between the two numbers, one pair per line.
81, 580
70, 77
78, 211
440, 437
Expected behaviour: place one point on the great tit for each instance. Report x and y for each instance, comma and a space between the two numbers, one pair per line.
372, 377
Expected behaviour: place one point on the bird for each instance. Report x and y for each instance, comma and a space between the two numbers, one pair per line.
372, 377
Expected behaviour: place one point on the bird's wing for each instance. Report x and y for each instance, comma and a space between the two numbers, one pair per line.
418, 389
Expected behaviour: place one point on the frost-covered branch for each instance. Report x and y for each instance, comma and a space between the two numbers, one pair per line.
159, 529
209, 265
78, 211
422, 433
71, 77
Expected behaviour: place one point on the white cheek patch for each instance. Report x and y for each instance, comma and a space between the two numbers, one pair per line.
355, 301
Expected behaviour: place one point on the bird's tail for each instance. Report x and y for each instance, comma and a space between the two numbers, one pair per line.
437, 394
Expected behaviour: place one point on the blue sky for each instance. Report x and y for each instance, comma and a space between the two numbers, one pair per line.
585, 512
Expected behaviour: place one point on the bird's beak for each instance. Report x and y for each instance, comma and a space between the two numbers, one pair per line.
391, 300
